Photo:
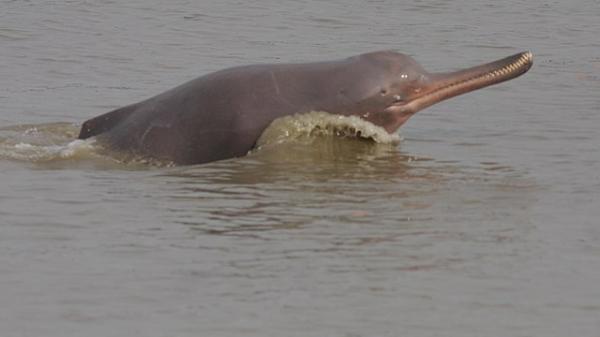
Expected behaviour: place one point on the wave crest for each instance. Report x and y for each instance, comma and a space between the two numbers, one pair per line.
319, 123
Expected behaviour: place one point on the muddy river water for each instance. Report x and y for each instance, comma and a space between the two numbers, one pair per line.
483, 220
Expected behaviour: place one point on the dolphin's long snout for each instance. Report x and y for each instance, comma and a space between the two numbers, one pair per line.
442, 86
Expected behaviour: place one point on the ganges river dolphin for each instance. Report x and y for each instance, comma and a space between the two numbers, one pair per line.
221, 115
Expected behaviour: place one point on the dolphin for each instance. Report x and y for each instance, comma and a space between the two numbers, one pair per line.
222, 114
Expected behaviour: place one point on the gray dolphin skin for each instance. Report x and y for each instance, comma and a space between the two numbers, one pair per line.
221, 115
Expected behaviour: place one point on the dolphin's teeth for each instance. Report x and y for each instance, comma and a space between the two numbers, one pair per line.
525, 58
510, 68
522, 61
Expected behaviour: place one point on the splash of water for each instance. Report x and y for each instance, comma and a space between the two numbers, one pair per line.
43, 143
319, 123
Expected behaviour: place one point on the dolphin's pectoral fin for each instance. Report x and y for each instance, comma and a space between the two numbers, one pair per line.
105, 122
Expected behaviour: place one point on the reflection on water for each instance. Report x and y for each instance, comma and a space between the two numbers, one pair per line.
330, 181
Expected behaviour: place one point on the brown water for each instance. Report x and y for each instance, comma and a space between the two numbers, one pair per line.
482, 221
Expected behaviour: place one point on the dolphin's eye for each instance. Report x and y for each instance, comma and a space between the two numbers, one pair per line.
383, 92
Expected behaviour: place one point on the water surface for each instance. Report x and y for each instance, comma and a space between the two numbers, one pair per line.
483, 220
